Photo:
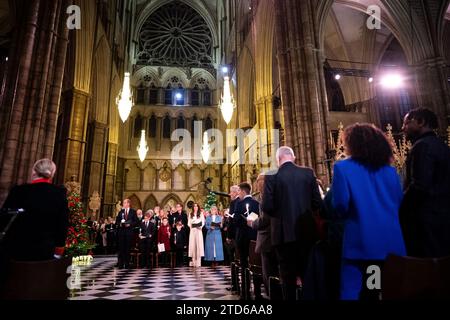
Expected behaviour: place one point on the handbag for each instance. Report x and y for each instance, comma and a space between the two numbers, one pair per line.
161, 247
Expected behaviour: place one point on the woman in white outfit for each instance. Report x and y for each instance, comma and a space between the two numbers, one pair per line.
196, 250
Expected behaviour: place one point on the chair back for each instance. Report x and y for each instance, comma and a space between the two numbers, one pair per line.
415, 278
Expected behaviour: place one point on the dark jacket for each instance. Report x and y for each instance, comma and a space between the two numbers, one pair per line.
175, 217
425, 211
132, 220
243, 231
148, 231
42, 227
179, 239
290, 196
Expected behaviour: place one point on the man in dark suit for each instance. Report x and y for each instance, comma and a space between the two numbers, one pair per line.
425, 211
244, 234
178, 215
290, 196
126, 221
146, 239
263, 240
229, 225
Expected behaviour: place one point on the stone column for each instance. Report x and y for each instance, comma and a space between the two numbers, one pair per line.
433, 89
94, 165
109, 187
33, 81
73, 135
300, 83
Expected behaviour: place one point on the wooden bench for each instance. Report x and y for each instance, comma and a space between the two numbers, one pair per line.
37, 280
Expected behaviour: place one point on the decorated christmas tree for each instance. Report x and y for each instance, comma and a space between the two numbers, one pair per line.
210, 201
77, 242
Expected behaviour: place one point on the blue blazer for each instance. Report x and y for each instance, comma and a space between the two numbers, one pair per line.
369, 202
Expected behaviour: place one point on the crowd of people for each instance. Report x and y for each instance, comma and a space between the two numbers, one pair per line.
365, 216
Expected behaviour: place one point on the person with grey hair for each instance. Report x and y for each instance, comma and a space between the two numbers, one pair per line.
290, 196
39, 233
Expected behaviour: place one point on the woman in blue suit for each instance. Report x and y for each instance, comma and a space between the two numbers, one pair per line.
367, 195
213, 243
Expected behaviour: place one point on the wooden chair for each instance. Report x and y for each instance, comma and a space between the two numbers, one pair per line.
135, 256
172, 258
406, 278
37, 280
275, 290
253, 274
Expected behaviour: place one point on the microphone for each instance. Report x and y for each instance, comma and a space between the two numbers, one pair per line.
219, 193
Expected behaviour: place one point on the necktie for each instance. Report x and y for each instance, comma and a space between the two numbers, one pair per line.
126, 214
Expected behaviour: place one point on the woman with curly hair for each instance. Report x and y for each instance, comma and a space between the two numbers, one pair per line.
367, 194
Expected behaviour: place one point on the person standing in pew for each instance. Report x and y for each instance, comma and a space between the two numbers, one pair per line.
291, 195
125, 223
244, 234
263, 240
180, 243
146, 238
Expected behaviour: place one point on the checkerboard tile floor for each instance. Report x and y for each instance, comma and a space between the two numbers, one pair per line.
102, 281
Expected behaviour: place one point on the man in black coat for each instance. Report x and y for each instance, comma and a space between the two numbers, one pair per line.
126, 221
42, 227
425, 211
229, 225
290, 197
244, 233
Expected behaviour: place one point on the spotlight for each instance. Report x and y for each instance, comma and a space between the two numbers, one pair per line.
225, 70
6, 59
178, 96
370, 79
337, 77
392, 81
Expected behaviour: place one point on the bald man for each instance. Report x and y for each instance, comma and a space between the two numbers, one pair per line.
290, 196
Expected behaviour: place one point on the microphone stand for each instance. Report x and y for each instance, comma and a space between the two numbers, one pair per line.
14, 214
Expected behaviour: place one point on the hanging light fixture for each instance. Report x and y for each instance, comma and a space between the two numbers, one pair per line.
227, 106
142, 148
205, 148
124, 100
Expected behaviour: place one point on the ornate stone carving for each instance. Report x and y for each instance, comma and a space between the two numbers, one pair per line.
73, 185
95, 203
165, 174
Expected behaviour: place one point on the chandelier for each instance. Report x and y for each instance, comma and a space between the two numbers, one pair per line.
205, 148
227, 105
124, 100
142, 148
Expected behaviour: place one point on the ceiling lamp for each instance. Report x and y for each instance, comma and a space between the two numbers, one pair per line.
124, 100
142, 148
392, 81
227, 106
205, 148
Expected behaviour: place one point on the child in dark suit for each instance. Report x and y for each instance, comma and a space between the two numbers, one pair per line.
180, 243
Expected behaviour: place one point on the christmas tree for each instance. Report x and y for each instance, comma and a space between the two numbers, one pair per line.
210, 201
77, 242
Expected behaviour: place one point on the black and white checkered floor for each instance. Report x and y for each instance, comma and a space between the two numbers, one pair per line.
101, 280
